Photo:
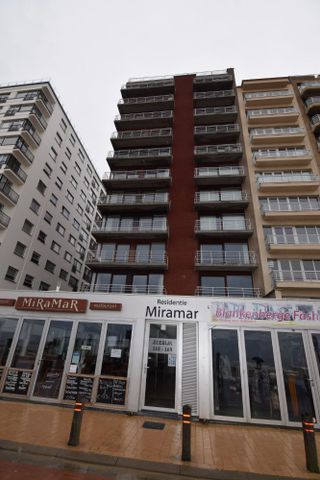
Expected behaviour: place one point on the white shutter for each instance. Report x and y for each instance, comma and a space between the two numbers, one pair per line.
190, 367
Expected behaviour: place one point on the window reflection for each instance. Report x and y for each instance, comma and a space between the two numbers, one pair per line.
116, 351
85, 351
7, 329
28, 344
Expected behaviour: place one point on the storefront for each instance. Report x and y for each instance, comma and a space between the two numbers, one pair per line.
238, 360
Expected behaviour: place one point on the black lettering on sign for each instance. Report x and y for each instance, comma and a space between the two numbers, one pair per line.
17, 382
112, 391
78, 388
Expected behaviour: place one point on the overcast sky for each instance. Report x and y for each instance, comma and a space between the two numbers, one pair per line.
89, 48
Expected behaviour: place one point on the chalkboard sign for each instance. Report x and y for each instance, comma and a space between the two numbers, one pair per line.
17, 382
112, 390
48, 384
78, 388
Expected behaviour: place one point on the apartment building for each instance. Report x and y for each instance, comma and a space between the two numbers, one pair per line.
48, 192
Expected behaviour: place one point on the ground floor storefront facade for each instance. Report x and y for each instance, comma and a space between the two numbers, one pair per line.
243, 360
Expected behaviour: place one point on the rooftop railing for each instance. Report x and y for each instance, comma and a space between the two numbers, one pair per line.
228, 292
211, 77
204, 258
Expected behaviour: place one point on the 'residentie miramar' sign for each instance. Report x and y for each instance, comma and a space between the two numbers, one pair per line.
42, 304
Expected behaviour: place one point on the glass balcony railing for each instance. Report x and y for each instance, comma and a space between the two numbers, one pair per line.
287, 152
120, 288
271, 111
308, 177
296, 276
141, 153
312, 101
216, 129
213, 94
133, 175
142, 100
128, 134
220, 196
278, 93
9, 162
8, 192
135, 259
204, 258
215, 110
145, 116
228, 292
211, 172
138, 199
220, 225
267, 132
157, 227
306, 85
218, 149
22, 146
294, 239
4, 219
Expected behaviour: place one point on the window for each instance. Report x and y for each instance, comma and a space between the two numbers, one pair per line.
83, 195
42, 237
50, 266
79, 209
41, 187
84, 235
73, 282
80, 249
54, 199
81, 155
27, 227
53, 154
20, 249
76, 224
60, 229
72, 140
89, 170
35, 258
58, 139
63, 167
73, 182
47, 170
69, 197
55, 247
11, 274
48, 217
63, 125
89, 208
59, 183
86, 182
44, 286
68, 256
68, 153
65, 212
28, 280
63, 274
76, 266
72, 240
77, 168
35, 206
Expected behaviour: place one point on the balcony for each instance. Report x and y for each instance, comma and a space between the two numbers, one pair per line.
130, 289
127, 121
7, 195
221, 228
221, 261
272, 116
22, 152
137, 179
208, 154
295, 281
4, 220
146, 104
228, 292
295, 243
288, 157
34, 116
11, 167
159, 230
221, 200
312, 105
139, 88
215, 98
270, 98
228, 175
315, 123
278, 136
135, 202
146, 157
213, 81
215, 133
303, 182
26, 130
210, 115
297, 211
142, 138
311, 87
40, 100
151, 261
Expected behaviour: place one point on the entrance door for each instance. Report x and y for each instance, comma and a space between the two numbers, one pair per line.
160, 367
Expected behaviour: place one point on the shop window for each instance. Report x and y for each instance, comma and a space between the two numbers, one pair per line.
116, 351
7, 329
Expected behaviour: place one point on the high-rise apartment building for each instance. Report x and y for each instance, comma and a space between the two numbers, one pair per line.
213, 189
48, 192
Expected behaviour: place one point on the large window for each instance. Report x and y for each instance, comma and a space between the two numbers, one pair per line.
7, 329
116, 351
296, 270
230, 285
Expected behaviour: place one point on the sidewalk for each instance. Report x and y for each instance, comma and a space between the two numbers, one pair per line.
115, 439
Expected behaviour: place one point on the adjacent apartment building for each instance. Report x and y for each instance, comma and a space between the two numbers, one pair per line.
213, 189
48, 192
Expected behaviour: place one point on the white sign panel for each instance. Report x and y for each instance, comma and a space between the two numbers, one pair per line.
288, 312
162, 345
115, 352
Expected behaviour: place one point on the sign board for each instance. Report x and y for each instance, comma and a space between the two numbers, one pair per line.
17, 382
112, 307
162, 345
43, 304
7, 302
112, 391
49, 385
78, 387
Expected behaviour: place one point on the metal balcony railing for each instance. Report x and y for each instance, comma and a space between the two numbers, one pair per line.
278, 93
213, 94
12, 164
20, 127
305, 85
8, 192
216, 129
145, 115
141, 153
11, 112
315, 119
148, 259
220, 196
271, 111
138, 199
228, 292
204, 258
294, 239
138, 175
287, 152
115, 288
296, 276
205, 78
22, 146
231, 171
218, 149
218, 225
308, 177
312, 101
159, 132
141, 100
215, 110
155, 228
4, 219
291, 207
267, 132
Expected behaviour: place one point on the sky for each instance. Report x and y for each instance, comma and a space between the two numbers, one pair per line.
89, 48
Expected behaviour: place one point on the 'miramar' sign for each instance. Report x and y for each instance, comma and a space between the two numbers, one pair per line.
41, 304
